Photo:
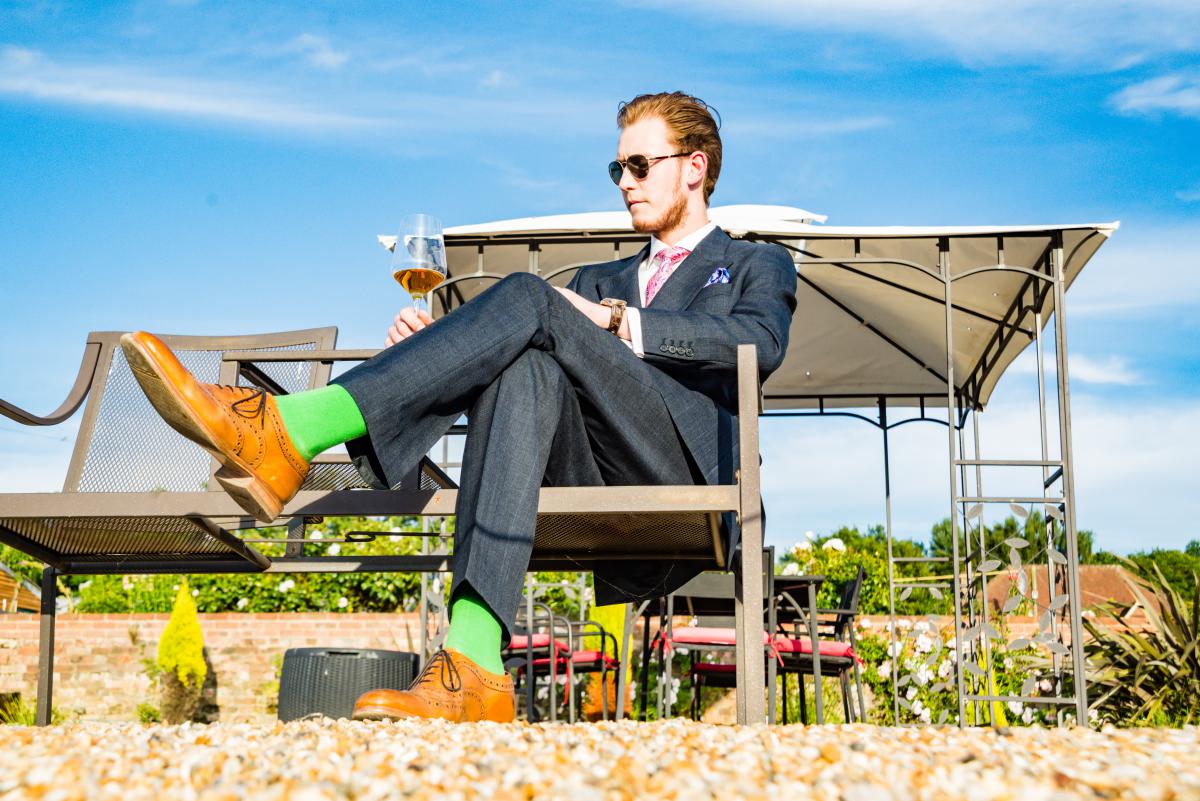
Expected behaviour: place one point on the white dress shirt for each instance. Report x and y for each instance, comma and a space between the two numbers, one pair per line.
646, 270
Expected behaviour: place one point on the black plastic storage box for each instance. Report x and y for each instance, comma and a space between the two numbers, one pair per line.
330, 680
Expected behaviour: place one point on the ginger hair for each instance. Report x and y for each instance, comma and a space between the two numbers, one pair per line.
690, 121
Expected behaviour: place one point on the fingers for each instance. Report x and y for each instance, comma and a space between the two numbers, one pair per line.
408, 322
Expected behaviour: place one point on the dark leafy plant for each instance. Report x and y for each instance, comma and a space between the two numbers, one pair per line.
1148, 676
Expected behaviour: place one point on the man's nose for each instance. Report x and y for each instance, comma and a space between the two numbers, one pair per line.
627, 183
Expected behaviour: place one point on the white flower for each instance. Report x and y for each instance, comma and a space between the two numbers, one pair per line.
911, 693
904, 624
395, 529
343, 602
286, 585
175, 587
918, 706
317, 534
885, 667
808, 535
1016, 707
1008, 663
243, 603
1045, 685
803, 545
926, 716
791, 569
334, 549
945, 669
895, 649
864, 623
195, 593
834, 544
923, 644
85, 584
1093, 715
1027, 716
682, 651
923, 674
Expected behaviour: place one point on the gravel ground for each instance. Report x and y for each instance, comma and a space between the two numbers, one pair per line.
320, 759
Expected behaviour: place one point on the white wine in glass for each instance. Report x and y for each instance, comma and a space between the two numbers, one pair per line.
419, 258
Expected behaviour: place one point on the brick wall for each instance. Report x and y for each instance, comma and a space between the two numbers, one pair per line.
98, 659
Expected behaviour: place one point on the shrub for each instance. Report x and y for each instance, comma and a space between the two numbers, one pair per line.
181, 660
1148, 676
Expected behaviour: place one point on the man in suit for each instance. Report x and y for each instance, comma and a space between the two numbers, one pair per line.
626, 377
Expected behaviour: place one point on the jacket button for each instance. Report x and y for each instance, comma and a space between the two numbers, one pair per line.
673, 349
663, 348
690, 352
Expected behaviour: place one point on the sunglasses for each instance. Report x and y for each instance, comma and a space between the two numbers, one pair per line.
639, 166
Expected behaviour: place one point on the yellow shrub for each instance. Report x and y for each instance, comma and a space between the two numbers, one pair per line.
181, 649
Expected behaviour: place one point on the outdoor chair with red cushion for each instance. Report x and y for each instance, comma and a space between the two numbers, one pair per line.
837, 647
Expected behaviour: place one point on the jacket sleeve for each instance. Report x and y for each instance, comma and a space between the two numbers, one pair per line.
761, 316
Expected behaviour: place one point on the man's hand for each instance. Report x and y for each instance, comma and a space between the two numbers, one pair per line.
600, 315
408, 322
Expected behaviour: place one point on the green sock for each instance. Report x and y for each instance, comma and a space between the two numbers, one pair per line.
318, 419
475, 631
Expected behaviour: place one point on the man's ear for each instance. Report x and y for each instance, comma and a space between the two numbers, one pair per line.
697, 169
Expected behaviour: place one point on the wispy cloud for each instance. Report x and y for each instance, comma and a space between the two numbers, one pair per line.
31, 74
1111, 369
804, 127
1111, 34
1168, 94
318, 52
1143, 269
1189, 195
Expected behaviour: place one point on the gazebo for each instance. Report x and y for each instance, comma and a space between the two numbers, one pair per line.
894, 325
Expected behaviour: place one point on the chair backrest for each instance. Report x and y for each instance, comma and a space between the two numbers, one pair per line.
124, 446
719, 587
850, 594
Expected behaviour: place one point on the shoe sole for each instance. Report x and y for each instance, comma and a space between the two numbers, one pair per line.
236, 477
377, 713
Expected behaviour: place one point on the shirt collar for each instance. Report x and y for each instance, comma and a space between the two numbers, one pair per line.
689, 242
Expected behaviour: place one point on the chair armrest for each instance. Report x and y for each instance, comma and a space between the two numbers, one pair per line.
83, 383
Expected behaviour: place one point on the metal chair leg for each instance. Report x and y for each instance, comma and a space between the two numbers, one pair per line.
45, 692
803, 700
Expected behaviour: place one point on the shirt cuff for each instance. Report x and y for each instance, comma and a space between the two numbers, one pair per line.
635, 331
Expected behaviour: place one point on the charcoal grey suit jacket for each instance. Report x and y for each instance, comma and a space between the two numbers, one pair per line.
691, 332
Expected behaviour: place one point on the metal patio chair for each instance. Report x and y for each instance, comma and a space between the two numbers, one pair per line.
138, 498
838, 657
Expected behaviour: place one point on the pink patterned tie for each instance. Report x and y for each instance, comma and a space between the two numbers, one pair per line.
668, 259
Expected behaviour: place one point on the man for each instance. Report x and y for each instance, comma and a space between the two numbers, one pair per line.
627, 377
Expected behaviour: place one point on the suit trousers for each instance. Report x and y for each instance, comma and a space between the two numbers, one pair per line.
552, 400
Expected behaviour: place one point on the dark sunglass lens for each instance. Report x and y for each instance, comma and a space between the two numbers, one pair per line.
639, 166
614, 171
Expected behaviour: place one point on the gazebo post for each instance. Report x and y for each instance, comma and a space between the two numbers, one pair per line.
951, 402
887, 510
1068, 479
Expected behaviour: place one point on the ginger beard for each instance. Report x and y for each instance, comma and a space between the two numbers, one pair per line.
669, 218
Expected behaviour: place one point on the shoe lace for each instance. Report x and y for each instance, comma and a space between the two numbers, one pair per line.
246, 407
446, 672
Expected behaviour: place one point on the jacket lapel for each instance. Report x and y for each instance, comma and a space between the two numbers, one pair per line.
623, 282
691, 276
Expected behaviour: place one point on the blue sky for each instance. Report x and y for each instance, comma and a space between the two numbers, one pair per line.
170, 165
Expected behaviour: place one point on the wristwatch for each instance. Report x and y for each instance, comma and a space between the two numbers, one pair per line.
617, 307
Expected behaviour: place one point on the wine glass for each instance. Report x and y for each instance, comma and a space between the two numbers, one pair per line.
419, 257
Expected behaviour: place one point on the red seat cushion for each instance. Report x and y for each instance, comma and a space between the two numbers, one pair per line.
703, 635
803, 645
579, 658
520, 642
713, 667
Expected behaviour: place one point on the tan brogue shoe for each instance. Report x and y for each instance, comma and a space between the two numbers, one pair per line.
240, 426
451, 687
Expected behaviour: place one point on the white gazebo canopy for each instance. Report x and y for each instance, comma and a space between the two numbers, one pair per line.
870, 320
